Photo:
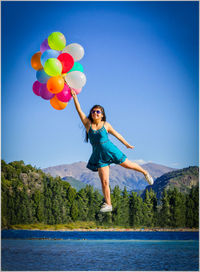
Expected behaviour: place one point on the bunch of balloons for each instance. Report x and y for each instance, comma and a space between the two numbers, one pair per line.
58, 70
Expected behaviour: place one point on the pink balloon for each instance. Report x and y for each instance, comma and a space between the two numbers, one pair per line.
36, 87
65, 94
44, 92
77, 91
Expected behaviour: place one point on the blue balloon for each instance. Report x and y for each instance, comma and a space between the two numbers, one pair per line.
48, 54
41, 76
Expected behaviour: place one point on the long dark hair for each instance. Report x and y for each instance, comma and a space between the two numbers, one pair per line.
90, 117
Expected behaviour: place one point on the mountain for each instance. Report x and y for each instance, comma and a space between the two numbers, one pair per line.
76, 184
118, 175
182, 179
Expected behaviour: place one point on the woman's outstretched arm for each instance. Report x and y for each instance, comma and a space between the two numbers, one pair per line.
118, 136
82, 115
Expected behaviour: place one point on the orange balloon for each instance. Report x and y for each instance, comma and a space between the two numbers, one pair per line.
35, 61
55, 84
57, 104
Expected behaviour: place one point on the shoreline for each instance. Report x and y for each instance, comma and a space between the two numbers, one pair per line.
114, 230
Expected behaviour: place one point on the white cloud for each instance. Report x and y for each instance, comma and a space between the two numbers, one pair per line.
175, 164
140, 161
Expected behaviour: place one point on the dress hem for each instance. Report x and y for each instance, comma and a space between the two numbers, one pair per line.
95, 169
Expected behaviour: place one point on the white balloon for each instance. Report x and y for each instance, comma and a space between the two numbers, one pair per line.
76, 79
75, 50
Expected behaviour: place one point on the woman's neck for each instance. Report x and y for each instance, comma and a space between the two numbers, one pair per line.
96, 122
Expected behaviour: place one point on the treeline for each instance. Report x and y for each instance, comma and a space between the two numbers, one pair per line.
29, 196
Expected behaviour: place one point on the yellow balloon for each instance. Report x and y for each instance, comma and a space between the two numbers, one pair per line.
53, 67
57, 41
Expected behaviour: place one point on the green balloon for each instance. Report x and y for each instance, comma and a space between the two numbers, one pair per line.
57, 41
53, 67
77, 67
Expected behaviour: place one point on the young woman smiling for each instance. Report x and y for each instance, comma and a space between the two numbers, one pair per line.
104, 151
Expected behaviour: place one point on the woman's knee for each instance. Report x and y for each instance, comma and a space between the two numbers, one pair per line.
104, 176
105, 182
125, 164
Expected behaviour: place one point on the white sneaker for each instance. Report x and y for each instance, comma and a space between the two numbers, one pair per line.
106, 208
149, 179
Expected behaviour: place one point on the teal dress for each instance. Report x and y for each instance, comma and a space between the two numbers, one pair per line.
104, 151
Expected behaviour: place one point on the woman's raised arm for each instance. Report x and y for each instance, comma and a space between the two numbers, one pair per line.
82, 115
118, 136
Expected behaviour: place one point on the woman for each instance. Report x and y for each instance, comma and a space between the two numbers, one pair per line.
104, 151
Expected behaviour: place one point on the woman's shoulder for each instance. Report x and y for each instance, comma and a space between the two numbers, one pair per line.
106, 125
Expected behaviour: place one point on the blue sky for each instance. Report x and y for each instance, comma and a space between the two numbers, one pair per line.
141, 64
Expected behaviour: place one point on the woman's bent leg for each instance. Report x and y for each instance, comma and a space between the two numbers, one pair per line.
104, 177
134, 166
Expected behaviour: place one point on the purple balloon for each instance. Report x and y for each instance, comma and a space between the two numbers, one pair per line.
44, 46
44, 92
65, 94
36, 87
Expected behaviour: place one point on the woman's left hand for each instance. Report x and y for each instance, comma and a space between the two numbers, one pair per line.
129, 146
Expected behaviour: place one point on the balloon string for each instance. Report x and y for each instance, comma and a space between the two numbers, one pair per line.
64, 80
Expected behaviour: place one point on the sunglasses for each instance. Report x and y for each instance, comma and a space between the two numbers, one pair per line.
97, 111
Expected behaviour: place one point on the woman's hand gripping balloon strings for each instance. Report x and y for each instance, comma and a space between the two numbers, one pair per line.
73, 93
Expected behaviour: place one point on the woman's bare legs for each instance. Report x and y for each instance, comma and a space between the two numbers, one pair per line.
134, 166
104, 177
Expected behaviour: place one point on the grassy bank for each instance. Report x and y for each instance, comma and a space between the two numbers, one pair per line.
90, 226
69, 226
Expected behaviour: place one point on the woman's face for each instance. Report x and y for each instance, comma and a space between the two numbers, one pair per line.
96, 114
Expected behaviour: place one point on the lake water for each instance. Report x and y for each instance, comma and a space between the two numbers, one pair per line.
99, 251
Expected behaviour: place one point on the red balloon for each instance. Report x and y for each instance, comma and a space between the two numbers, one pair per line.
67, 62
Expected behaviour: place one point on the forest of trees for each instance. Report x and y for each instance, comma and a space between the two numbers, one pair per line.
29, 196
